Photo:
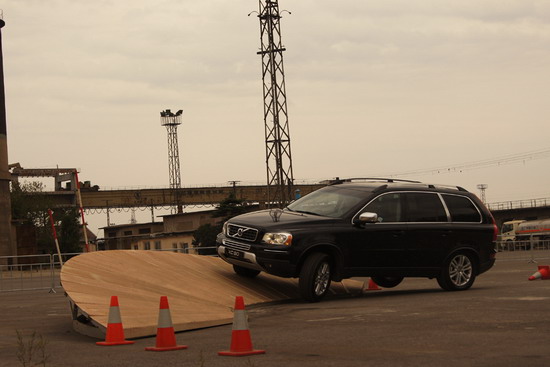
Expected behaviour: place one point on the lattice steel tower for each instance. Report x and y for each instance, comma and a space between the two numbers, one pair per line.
277, 136
171, 121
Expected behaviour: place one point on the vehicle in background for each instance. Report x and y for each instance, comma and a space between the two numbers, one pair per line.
523, 233
508, 231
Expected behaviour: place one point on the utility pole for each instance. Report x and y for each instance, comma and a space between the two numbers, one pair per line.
280, 178
171, 121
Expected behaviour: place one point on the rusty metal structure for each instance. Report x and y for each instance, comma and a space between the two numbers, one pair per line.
172, 121
280, 179
96, 200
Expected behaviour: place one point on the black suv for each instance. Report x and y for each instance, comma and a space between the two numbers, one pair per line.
385, 229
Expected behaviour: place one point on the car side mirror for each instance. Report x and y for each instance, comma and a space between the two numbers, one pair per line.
368, 217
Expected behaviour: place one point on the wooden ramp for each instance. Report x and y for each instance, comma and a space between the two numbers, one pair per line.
201, 290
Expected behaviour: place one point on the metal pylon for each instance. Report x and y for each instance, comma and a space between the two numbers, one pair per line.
277, 136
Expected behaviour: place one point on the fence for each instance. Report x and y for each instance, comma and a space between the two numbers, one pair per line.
35, 272
530, 250
29, 272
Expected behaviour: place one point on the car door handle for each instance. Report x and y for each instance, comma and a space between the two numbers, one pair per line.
446, 233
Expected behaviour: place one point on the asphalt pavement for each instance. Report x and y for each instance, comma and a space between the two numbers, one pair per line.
504, 320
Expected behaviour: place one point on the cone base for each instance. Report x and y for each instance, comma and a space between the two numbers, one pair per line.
165, 349
122, 342
241, 354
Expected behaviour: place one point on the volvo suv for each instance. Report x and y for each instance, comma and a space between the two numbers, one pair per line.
384, 229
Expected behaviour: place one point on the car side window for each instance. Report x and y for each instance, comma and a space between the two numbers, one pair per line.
388, 208
462, 209
424, 207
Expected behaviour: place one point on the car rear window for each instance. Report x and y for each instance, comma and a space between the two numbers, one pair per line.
462, 209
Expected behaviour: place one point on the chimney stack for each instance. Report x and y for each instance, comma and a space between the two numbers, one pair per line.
7, 248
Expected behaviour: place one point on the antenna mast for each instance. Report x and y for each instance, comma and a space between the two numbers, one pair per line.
171, 121
277, 136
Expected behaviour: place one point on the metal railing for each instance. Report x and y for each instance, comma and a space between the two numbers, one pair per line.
29, 272
530, 250
36, 272
519, 204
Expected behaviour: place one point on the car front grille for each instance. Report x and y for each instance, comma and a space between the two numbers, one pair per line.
242, 233
236, 245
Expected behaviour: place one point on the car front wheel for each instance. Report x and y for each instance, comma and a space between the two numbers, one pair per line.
458, 273
315, 277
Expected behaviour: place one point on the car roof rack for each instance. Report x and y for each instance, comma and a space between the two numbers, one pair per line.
459, 188
338, 180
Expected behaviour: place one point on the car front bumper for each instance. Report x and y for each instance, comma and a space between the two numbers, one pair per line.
272, 261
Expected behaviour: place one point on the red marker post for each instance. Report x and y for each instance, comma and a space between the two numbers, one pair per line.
50, 213
79, 198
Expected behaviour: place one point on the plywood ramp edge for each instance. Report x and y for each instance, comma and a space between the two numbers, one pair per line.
201, 290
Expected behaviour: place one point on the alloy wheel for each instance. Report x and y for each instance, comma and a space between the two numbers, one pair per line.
460, 270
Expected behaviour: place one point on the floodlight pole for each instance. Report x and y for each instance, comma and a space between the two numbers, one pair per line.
171, 121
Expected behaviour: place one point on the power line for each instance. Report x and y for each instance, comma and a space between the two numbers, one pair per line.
485, 163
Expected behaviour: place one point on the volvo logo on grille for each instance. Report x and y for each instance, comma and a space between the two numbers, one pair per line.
242, 233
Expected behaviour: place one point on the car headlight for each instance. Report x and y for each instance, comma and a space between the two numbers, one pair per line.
277, 239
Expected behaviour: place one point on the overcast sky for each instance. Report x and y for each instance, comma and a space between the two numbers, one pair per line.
373, 88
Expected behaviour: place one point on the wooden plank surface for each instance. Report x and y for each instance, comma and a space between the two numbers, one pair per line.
201, 290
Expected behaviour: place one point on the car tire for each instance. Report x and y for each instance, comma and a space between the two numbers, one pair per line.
387, 282
315, 277
245, 272
458, 273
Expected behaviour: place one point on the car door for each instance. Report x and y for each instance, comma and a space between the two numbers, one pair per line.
430, 232
382, 244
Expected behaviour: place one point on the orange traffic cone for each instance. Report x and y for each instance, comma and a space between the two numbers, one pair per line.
241, 344
166, 338
373, 286
115, 331
542, 273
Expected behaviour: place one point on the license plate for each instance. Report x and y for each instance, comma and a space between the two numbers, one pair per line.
234, 253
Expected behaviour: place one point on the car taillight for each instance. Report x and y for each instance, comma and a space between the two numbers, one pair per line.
495, 229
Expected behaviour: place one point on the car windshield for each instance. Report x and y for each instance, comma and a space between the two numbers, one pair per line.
328, 202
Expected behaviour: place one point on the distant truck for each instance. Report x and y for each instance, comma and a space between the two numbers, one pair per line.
524, 230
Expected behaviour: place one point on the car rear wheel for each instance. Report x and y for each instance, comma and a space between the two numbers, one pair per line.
315, 277
388, 282
458, 273
245, 272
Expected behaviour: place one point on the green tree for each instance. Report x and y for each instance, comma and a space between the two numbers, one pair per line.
205, 235
230, 207
69, 232
29, 204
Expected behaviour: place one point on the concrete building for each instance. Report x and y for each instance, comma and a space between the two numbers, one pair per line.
121, 237
177, 233
174, 233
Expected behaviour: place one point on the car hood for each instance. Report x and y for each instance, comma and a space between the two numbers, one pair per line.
275, 218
